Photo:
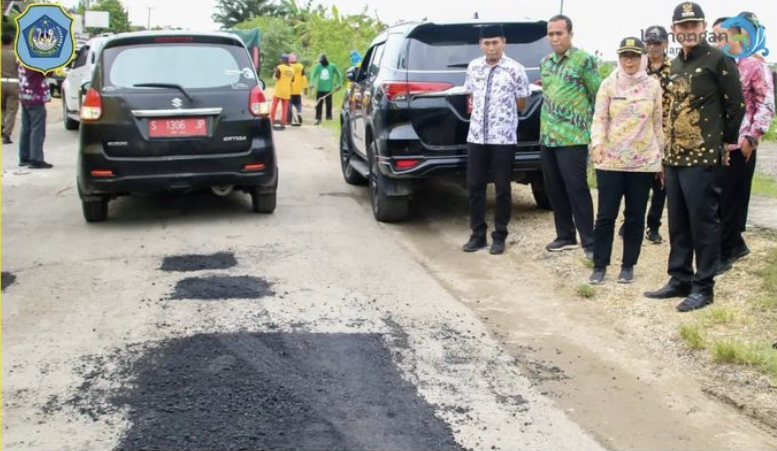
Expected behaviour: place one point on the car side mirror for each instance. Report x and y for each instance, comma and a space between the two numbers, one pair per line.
351, 73
262, 84
85, 86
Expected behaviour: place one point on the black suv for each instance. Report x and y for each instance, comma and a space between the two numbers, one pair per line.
406, 115
174, 111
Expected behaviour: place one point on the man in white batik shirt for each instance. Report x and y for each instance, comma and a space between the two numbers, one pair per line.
498, 89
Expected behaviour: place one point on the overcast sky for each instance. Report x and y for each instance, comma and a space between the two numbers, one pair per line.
599, 25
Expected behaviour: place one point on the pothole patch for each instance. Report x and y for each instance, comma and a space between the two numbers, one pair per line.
8, 279
222, 287
187, 263
269, 391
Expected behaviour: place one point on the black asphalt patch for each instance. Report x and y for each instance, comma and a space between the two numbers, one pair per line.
185, 263
8, 279
276, 392
222, 287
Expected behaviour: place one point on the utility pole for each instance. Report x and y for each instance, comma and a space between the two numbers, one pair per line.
148, 23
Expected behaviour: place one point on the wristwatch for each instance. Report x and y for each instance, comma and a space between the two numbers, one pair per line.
753, 141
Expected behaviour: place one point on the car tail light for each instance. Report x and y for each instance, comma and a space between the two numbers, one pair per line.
174, 39
102, 173
406, 163
258, 104
92, 108
401, 90
253, 167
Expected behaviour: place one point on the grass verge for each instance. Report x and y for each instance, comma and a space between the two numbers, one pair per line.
693, 335
760, 356
764, 185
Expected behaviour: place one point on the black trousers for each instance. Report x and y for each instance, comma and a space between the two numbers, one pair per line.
295, 103
693, 195
487, 162
613, 186
565, 173
657, 202
736, 182
320, 104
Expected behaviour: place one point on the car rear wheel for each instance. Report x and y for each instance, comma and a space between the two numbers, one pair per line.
385, 208
349, 173
95, 210
263, 202
70, 124
540, 193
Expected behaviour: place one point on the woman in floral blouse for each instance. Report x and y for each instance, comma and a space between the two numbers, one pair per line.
627, 141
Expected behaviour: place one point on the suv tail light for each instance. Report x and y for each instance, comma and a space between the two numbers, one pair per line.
401, 90
257, 103
92, 108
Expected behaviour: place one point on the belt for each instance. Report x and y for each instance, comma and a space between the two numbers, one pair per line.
10, 80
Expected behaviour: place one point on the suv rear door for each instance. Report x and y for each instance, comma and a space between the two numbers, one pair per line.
176, 95
437, 57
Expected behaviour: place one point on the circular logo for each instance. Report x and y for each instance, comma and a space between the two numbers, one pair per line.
752, 35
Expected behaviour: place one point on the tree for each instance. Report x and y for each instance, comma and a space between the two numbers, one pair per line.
118, 19
232, 12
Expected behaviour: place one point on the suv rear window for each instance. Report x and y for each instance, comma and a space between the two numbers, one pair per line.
189, 65
448, 47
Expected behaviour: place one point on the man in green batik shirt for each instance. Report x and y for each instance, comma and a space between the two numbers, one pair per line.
570, 81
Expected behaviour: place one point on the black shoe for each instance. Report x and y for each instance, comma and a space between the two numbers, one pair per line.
279, 127
299, 119
626, 275
24, 163
597, 277
668, 291
7, 139
40, 165
695, 301
742, 253
561, 245
475, 243
497, 247
654, 237
724, 266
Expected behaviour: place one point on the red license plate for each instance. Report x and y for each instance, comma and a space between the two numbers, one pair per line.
175, 127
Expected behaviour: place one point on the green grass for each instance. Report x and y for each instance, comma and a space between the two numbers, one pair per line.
760, 356
585, 290
719, 316
693, 335
764, 185
591, 176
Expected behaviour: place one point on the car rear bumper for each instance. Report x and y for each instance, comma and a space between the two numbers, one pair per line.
171, 174
527, 160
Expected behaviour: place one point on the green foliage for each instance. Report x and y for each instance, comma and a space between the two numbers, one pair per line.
771, 135
606, 68
310, 31
764, 185
9, 26
118, 19
233, 12
585, 290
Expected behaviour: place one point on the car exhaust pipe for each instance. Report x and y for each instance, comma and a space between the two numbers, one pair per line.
222, 190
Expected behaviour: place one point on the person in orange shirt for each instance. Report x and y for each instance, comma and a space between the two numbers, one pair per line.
283, 76
298, 84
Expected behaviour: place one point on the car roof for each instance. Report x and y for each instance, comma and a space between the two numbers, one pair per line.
409, 26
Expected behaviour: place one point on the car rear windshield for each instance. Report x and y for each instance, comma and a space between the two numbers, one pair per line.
189, 65
454, 46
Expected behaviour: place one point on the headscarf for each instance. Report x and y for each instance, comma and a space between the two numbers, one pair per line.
322, 59
624, 81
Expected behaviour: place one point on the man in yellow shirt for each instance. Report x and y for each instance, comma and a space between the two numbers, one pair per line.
298, 84
283, 76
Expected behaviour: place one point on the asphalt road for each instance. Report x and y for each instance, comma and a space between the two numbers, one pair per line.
190, 323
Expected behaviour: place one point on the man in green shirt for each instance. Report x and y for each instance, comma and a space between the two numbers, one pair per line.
326, 78
706, 110
570, 81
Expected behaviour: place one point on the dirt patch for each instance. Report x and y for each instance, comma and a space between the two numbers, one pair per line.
222, 287
8, 279
186, 263
275, 391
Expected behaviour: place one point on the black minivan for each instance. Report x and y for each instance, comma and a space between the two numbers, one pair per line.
174, 111
406, 115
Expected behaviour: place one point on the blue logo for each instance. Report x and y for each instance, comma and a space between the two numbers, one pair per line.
44, 37
752, 38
